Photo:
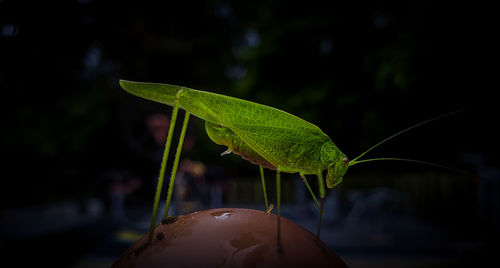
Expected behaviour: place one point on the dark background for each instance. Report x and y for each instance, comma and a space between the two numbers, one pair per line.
360, 72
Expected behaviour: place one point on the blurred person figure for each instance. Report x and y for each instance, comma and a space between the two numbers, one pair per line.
192, 190
158, 125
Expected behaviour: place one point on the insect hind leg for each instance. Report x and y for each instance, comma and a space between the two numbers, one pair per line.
278, 201
304, 179
176, 164
164, 161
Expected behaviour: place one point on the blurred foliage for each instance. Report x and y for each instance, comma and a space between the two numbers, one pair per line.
360, 72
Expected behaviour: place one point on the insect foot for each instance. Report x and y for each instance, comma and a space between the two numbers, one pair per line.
269, 209
169, 220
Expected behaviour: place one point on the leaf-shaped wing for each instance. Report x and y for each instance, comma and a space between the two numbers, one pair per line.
281, 138
292, 150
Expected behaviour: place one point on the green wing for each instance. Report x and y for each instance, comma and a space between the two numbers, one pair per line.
285, 140
215, 107
162, 93
290, 149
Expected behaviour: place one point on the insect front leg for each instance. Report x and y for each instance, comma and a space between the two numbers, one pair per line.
322, 194
264, 188
310, 190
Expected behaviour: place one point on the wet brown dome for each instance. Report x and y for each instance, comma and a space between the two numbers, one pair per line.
229, 237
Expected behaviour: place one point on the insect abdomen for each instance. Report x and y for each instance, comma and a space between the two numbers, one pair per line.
224, 136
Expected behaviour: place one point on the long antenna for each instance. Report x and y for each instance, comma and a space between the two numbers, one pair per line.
354, 161
351, 163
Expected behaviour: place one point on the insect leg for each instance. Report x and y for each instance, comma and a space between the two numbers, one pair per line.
310, 190
176, 164
322, 194
159, 185
278, 197
264, 186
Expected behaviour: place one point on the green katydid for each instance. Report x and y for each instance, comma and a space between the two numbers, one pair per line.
263, 135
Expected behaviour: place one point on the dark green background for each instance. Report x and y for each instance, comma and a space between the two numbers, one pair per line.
359, 71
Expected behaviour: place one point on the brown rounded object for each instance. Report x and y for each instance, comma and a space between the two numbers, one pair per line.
229, 237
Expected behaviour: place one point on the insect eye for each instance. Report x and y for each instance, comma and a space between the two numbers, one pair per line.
345, 160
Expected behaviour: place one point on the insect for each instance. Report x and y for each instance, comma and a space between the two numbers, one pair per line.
263, 135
